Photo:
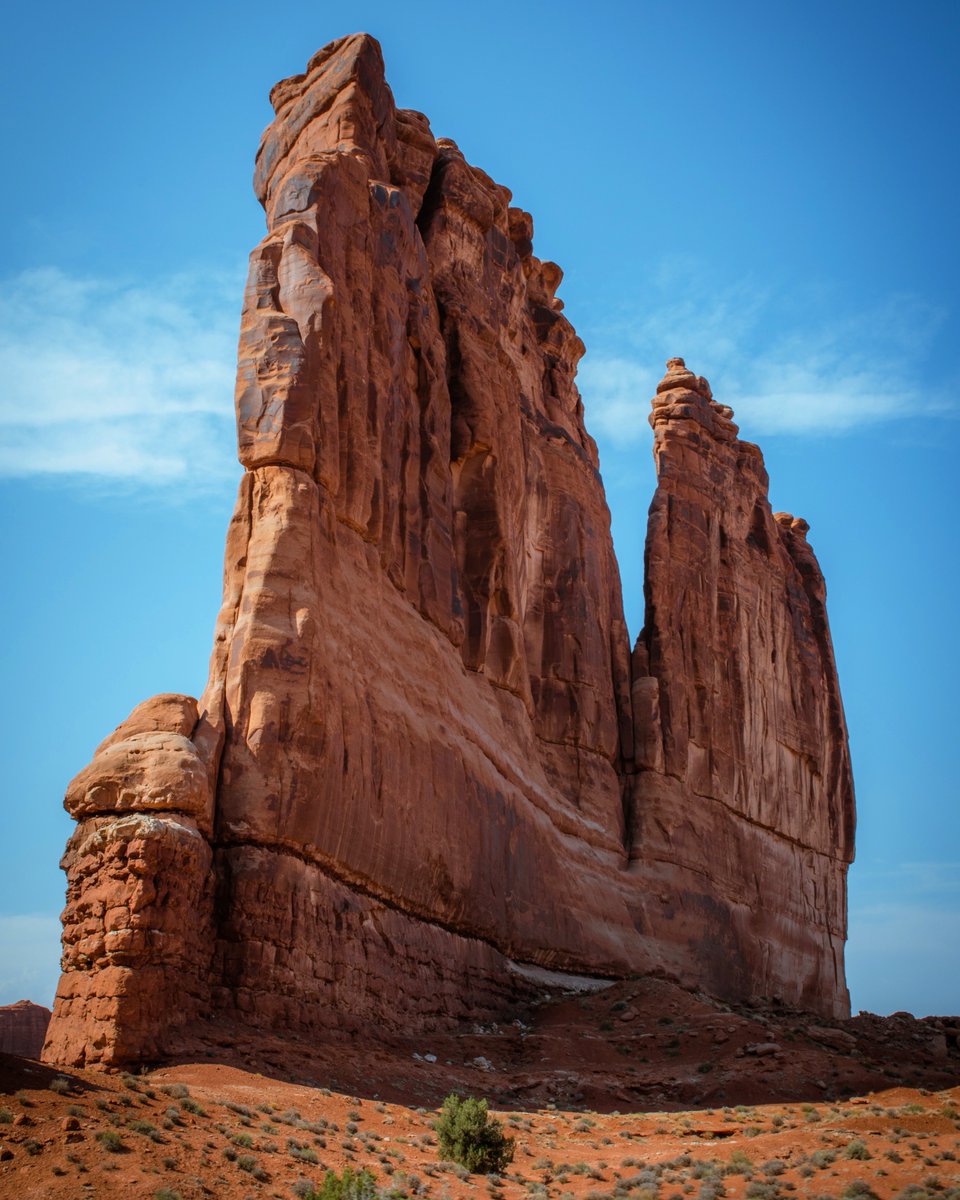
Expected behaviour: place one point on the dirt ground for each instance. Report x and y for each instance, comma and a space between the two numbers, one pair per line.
641, 1092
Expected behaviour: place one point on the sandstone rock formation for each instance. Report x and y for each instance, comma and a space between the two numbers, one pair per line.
425, 769
23, 1027
742, 800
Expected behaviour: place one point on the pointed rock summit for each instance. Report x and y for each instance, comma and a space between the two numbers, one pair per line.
426, 768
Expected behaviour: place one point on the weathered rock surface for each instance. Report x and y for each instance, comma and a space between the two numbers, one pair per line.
23, 1027
424, 770
742, 802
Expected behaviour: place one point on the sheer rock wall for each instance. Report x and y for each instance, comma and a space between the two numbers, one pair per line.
424, 768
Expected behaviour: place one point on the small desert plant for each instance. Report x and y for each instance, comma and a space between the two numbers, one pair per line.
60, 1085
858, 1190
348, 1185
468, 1135
762, 1191
739, 1163
110, 1140
856, 1149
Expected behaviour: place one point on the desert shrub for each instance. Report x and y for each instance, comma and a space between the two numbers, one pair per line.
60, 1085
762, 1191
856, 1149
454, 1168
348, 1185
470, 1136
110, 1140
146, 1129
6, 1116
166, 1193
858, 1190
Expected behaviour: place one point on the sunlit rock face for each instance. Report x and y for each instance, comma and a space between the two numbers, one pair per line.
426, 768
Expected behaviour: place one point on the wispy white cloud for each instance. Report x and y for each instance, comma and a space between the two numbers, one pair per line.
129, 383
831, 374
119, 381
29, 958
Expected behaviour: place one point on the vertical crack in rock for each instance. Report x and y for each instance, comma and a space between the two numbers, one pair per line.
424, 753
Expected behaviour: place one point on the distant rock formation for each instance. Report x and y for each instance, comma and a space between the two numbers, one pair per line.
23, 1027
425, 771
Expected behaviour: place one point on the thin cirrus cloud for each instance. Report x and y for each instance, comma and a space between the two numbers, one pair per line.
116, 381
832, 375
124, 383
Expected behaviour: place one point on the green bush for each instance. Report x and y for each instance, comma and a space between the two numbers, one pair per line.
469, 1136
112, 1141
857, 1189
349, 1185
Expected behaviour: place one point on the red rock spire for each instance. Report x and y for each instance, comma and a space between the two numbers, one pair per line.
412, 775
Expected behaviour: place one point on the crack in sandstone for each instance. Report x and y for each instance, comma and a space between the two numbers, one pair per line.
367, 888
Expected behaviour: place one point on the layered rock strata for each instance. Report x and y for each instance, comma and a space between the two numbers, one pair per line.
425, 770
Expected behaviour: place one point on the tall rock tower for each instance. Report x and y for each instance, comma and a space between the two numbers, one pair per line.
425, 767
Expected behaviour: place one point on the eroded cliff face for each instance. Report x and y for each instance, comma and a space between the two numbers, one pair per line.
742, 801
424, 767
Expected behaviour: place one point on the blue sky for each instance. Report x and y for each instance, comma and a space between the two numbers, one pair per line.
767, 190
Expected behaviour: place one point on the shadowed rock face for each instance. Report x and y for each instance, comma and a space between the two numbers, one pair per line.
424, 770
23, 1026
